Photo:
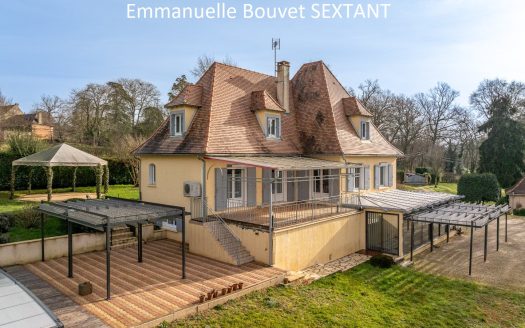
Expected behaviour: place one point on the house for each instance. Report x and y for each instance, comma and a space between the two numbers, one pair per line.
13, 120
517, 194
238, 136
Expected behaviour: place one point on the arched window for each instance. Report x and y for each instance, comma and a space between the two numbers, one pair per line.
152, 174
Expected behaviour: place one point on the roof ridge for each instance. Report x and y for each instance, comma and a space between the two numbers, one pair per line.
330, 104
213, 72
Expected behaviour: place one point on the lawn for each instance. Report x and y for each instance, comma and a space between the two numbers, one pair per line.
451, 188
53, 226
367, 296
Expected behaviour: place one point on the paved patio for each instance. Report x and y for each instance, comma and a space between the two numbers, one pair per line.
144, 291
505, 268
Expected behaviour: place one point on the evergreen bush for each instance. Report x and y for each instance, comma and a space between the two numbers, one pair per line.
479, 187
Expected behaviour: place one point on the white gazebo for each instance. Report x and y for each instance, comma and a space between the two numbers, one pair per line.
62, 155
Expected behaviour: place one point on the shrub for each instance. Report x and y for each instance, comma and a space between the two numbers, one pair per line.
400, 176
27, 217
479, 187
4, 238
519, 212
382, 261
423, 170
4, 224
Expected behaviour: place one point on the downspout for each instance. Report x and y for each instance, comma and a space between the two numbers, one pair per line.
203, 192
270, 226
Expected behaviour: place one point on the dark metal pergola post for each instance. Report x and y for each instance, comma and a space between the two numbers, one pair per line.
69, 249
497, 234
439, 229
448, 232
183, 245
42, 236
411, 241
485, 243
108, 262
505, 227
431, 235
139, 246
470, 251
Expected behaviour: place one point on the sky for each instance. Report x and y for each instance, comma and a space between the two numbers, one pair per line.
51, 47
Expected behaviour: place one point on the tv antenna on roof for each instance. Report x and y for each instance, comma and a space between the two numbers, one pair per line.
276, 45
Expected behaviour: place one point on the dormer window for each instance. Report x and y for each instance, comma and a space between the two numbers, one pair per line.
273, 127
365, 130
177, 124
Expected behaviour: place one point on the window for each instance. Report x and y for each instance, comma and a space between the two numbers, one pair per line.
365, 130
321, 182
354, 179
235, 187
273, 127
279, 185
152, 174
177, 124
383, 175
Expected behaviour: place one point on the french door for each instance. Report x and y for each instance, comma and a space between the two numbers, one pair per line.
321, 183
235, 187
279, 186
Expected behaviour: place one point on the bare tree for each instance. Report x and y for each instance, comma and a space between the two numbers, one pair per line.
204, 62
378, 101
439, 111
123, 150
4, 100
489, 91
407, 123
50, 104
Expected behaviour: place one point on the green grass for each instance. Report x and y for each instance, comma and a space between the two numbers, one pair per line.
367, 296
53, 227
7, 205
122, 191
451, 188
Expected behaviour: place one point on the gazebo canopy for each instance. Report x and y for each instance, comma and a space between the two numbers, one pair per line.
60, 155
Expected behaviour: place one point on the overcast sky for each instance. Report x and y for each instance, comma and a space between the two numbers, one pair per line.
53, 46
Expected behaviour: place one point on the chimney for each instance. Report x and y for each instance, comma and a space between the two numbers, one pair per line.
39, 118
283, 84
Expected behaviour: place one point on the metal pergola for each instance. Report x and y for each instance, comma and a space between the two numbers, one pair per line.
463, 215
102, 215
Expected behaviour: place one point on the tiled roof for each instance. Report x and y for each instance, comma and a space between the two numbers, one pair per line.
261, 99
353, 106
25, 120
226, 124
191, 95
517, 189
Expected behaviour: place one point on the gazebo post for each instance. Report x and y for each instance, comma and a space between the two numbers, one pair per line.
411, 241
42, 235
448, 232
74, 182
69, 249
108, 262
13, 181
106, 179
485, 243
139, 246
470, 251
497, 234
29, 178
99, 179
431, 234
49, 174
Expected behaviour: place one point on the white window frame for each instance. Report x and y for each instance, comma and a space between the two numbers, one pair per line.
281, 180
358, 178
383, 175
152, 174
277, 133
236, 201
365, 130
322, 193
174, 129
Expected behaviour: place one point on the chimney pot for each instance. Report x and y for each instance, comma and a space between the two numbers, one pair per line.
283, 84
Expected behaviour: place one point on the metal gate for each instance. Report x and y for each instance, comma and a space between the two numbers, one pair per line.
382, 232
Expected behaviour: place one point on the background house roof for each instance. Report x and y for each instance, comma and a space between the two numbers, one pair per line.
225, 122
517, 189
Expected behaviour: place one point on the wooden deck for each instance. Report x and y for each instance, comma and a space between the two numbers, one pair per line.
144, 291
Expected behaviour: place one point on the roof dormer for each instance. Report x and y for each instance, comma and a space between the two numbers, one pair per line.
268, 112
358, 116
191, 95
182, 109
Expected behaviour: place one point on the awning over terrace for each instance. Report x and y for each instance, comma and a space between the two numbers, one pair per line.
282, 163
401, 201
103, 215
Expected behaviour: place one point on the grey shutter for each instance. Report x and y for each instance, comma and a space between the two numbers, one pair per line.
362, 178
334, 182
290, 186
350, 181
221, 182
182, 123
366, 177
251, 186
376, 176
267, 175
390, 176
303, 185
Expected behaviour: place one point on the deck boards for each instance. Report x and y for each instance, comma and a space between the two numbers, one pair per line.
140, 291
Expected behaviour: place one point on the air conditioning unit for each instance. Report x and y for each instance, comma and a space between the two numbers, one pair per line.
192, 189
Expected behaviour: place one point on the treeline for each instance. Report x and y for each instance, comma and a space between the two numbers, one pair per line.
434, 131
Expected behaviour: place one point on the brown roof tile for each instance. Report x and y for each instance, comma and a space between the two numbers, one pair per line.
191, 95
226, 124
353, 106
517, 189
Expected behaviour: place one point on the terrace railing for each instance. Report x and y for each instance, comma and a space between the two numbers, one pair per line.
288, 213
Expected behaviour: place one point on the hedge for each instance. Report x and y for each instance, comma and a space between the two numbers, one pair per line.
62, 177
479, 187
